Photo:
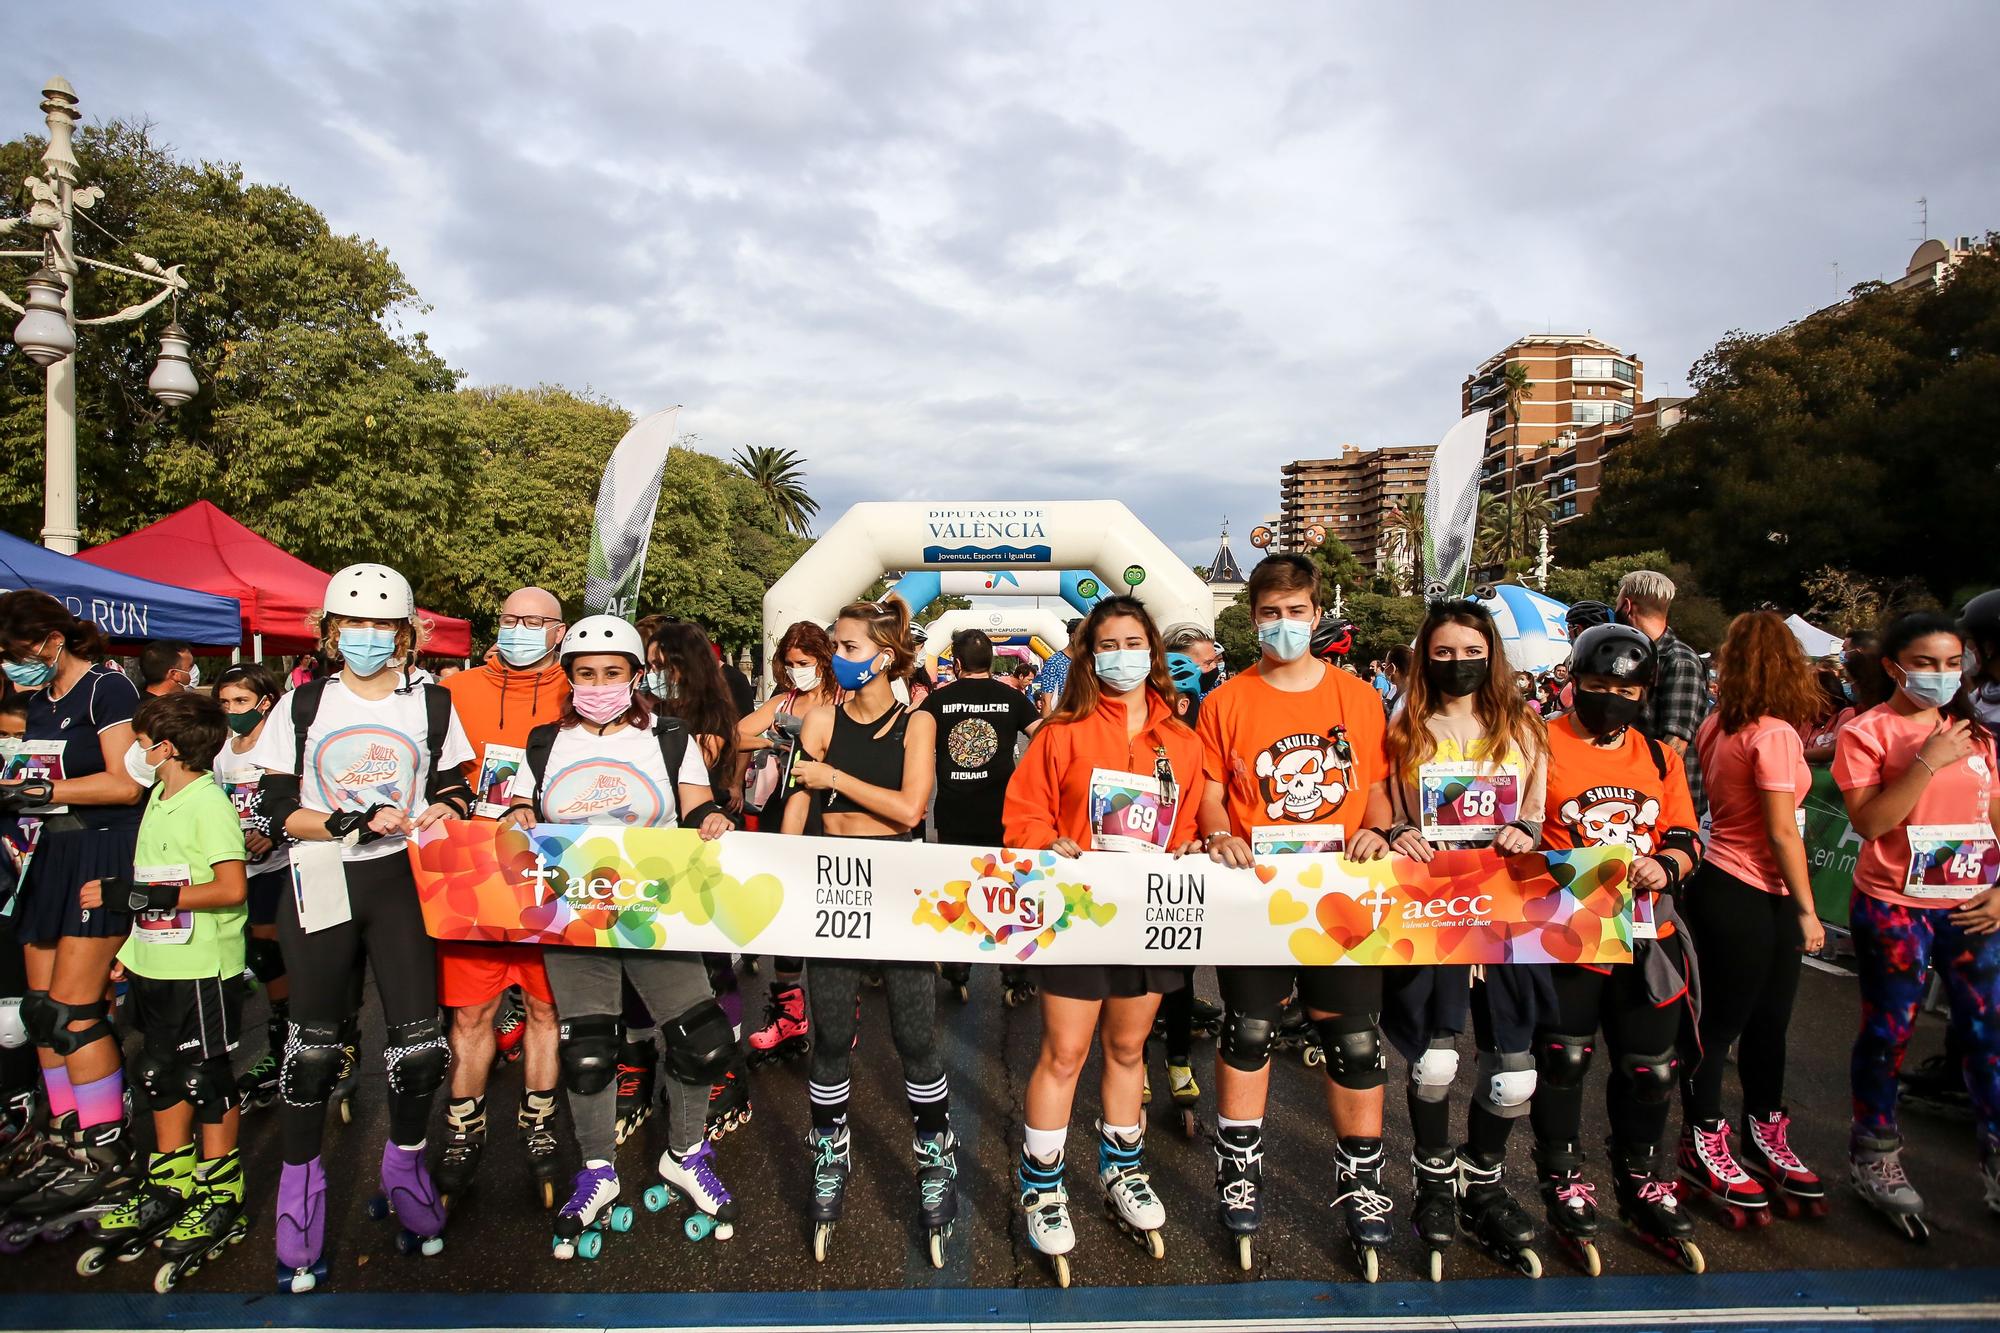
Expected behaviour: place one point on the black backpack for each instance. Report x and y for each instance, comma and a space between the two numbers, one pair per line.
305, 708
673, 737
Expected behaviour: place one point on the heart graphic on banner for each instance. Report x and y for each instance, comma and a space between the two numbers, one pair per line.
1286, 909
743, 911
1003, 908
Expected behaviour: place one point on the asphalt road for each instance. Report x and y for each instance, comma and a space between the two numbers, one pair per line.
499, 1239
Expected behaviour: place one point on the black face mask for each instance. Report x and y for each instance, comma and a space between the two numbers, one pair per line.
1603, 713
1456, 679
1210, 679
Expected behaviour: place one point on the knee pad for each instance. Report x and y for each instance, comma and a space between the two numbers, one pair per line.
1431, 1074
312, 1063
1245, 1042
589, 1051
211, 1086
700, 1044
159, 1089
1562, 1060
266, 959
418, 1056
1506, 1083
38, 1016
13, 1028
1354, 1056
66, 1040
1652, 1076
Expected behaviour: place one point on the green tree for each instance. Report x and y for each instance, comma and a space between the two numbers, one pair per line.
1338, 566
1236, 636
1381, 622
780, 477
1598, 581
1520, 387
1859, 438
1406, 520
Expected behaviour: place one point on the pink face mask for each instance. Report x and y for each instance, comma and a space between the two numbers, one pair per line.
602, 703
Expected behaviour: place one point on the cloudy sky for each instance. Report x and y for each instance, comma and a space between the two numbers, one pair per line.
1146, 250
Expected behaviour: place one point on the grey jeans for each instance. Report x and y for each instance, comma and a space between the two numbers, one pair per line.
586, 981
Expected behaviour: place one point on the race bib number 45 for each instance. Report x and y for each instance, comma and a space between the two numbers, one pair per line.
1951, 861
1467, 802
1126, 813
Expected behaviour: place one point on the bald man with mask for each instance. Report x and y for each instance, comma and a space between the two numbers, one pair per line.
518, 687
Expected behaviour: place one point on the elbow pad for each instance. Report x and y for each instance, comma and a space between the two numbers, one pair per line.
280, 793
1685, 841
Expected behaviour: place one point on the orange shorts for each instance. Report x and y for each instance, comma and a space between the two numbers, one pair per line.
470, 974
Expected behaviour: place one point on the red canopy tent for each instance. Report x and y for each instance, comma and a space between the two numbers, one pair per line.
202, 547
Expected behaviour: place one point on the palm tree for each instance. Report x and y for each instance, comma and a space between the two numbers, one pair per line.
780, 474
1519, 389
1406, 521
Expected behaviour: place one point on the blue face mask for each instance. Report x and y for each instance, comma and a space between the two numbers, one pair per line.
1123, 668
521, 646
852, 675
1286, 640
31, 674
1933, 689
366, 650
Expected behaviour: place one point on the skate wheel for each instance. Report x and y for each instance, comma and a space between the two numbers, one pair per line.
1155, 1243
1315, 1057
937, 1249
1246, 1256
1371, 1266
1531, 1264
698, 1227
562, 1249
548, 1195
656, 1198
964, 994
1593, 1262
91, 1262
1916, 1229
1062, 1270
822, 1234
1691, 1258
378, 1209
163, 1281
589, 1245
725, 1231
1437, 1265
346, 1113
1190, 1126
621, 1218
406, 1243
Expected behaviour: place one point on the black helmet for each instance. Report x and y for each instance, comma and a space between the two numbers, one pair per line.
1582, 615
1980, 621
1618, 651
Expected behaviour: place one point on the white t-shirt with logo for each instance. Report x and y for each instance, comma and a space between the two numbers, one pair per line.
360, 753
619, 778
237, 777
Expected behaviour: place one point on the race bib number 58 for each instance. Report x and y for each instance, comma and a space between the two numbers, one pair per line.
1465, 802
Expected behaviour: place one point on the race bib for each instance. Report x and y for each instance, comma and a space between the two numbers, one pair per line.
35, 759
1951, 861
175, 926
319, 886
1283, 839
1467, 802
497, 768
1127, 814
1643, 925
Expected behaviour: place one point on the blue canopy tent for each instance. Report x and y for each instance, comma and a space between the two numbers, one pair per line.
125, 607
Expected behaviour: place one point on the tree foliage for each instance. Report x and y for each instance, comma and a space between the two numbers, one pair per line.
1860, 439
780, 478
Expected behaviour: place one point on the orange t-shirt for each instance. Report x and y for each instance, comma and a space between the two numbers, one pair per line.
1614, 796
1280, 759
1048, 797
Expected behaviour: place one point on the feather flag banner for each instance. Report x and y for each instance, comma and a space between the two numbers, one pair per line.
626, 499
1451, 507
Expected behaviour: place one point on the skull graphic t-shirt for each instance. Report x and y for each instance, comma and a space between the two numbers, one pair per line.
1297, 761
1614, 796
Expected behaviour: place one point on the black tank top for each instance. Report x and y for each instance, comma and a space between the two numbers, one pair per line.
860, 753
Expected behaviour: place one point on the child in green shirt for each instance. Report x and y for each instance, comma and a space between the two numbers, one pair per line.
184, 963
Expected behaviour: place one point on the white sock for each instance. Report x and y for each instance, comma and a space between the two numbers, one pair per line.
1122, 1133
1224, 1122
1044, 1145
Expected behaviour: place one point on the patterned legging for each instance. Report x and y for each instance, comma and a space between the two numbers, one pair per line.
1895, 947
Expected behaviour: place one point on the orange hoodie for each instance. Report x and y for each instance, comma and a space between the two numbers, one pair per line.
498, 705
1049, 795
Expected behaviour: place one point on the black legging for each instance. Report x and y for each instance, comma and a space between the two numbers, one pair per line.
1177, 1016
1750, 963
1633, 1025
388, 928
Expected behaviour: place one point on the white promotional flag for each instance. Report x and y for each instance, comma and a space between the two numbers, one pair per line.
626, 499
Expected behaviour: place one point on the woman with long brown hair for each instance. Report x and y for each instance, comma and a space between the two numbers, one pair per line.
1112, 769
1469, 764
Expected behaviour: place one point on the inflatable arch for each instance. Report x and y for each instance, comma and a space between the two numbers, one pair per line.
1081, 588
1043, 631
877, 536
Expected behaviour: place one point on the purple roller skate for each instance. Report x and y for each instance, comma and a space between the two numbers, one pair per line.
301, 1227
407, 1193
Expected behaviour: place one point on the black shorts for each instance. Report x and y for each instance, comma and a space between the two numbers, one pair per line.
266, 889
1085, 981
49, 904
1327, 990
188, 1022
1419, 1003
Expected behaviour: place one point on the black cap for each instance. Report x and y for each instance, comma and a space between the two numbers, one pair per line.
1980, 621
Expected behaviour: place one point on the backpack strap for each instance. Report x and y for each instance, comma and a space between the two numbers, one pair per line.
540, 742
1659, 754
305, 708
673, 734
437, 722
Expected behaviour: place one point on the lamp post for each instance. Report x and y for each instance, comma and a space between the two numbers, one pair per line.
47, 330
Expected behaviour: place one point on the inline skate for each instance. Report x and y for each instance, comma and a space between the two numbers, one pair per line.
832, 1164
464, 1143
537, 1122
145, 1214
1650, 1207
1046, 1204
937, 1190
1875, 1167
1569, 1201
1128, 1191
1239, 1186
786, 1033
1434, 1216
1489, 1215
1357, 1177
212, 1221
1186, 1095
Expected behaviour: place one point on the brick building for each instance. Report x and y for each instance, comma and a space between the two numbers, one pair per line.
1353, 496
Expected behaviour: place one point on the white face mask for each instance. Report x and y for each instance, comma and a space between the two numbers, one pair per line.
143, 773
804, 679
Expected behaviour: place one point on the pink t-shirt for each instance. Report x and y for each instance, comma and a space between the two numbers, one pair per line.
1873, 751
1736, 767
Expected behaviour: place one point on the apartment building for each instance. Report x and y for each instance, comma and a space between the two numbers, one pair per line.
1353, 496
1574, 380
1569, 469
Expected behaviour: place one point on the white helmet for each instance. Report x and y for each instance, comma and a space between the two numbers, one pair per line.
603, 634
370, 592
